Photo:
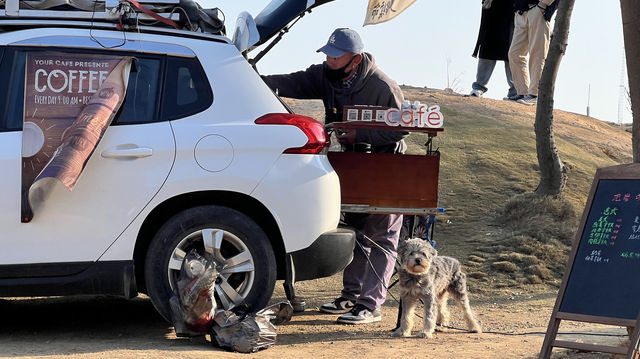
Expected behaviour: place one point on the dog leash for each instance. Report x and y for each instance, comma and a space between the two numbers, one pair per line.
371, 264
398, 264
394, 256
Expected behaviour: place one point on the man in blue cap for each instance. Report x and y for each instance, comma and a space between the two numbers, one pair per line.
349, 76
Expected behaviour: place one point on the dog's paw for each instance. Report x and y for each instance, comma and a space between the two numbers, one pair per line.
401, 333
425, 334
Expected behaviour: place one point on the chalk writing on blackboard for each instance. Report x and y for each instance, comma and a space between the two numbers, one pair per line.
602, 229
596, 256
608, 251
630, 255
635, 229
626, 197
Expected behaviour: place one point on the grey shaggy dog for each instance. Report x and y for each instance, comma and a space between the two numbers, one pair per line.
432, 278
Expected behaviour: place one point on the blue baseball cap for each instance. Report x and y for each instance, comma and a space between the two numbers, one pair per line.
342, 40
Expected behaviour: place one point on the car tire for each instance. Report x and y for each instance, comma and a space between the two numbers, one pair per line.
240, 248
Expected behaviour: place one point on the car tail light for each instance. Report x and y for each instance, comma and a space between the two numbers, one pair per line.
316, 134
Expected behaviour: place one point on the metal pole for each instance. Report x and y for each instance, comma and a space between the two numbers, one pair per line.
588, 100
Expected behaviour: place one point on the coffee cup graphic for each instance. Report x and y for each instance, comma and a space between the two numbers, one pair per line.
32, 139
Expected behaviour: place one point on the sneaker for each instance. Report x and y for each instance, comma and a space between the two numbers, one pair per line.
476, 93
529, 100
338, 306
360, 315
513, 98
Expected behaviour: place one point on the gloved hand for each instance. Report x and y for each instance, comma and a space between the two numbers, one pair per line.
486, 4
346, 137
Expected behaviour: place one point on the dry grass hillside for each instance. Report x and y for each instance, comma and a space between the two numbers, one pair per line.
508, 239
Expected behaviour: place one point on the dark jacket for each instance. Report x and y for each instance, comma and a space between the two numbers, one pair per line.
371, 87
523, 5
496, 31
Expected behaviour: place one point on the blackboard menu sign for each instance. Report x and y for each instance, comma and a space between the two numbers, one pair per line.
604, 277
600, 283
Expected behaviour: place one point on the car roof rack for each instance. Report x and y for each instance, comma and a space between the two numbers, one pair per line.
127, 14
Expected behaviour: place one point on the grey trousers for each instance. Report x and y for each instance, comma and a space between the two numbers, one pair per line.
359, 280
484, 72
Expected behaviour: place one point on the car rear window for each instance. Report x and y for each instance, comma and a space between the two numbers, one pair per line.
187, 90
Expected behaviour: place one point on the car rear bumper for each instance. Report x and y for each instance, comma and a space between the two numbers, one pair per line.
303, 194
327, 255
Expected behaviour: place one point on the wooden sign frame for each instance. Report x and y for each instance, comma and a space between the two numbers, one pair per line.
387, 182
622, 172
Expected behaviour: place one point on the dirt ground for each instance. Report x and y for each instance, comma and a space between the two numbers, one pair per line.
514, 325
514, 316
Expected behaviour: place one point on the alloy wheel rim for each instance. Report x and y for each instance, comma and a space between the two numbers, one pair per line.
232, 257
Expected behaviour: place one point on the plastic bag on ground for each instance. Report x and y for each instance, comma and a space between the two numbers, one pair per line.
249, 332
193, 305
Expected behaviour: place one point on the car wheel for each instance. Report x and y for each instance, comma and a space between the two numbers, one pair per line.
239, 247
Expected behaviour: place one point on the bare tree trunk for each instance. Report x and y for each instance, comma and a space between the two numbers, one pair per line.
553, 173
631, 30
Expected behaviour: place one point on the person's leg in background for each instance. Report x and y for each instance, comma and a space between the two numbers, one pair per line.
540, 35
518, 56
483, 75
512, 87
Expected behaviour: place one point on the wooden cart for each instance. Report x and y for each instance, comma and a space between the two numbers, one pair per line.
386, 182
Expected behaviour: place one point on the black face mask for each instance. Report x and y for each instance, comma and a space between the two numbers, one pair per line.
337, 74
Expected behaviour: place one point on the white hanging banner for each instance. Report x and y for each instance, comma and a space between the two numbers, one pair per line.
384, 10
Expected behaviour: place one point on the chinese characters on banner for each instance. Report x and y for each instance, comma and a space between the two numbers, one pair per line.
69, 101
384, 10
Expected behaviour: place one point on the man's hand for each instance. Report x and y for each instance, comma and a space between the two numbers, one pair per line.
346, 136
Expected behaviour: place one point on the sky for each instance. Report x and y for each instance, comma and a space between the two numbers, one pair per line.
430, 44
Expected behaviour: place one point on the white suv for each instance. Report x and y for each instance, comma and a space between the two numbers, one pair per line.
201, 155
